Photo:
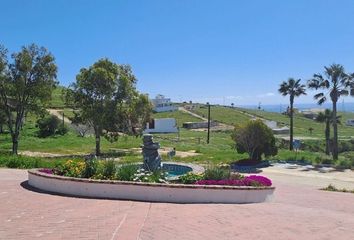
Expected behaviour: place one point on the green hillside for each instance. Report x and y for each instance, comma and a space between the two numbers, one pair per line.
223, 114
180, 117
301, 124
57, 100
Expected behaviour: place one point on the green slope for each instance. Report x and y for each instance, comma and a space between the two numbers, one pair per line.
57, 100
180, 117
301, 124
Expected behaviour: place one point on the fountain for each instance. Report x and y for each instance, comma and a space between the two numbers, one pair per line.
152, 159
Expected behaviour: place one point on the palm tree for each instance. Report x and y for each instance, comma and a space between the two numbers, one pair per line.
336, 83
293, 88
326, 117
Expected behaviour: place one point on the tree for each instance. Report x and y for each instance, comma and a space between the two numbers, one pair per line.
293, 88
336, 83
256, 139
107, 100
25, 85
326, 117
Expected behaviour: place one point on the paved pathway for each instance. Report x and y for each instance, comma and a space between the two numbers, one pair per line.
298, 211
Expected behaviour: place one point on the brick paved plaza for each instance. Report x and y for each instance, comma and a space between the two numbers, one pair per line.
298, 211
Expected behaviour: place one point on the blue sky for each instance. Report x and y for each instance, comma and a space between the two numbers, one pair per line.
217, 51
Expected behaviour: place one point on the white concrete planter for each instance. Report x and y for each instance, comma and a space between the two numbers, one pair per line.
152, 192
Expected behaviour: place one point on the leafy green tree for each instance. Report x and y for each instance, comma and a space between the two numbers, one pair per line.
326, 117
336, 83
293, 88
26, 85
256, 139
107, 100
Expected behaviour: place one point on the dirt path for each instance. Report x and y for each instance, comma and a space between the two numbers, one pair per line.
163, 151
58, 114
192, 113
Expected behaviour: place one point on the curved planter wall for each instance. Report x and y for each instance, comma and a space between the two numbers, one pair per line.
152, 192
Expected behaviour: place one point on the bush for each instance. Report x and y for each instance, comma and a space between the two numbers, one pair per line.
71, 168
62, 130
256, 139
190, 178
49, 126
25, 162
109, 169
126, 172
157, 176
90, 168
216, 174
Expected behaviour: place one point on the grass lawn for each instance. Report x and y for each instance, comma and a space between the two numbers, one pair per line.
223, 114
180, 117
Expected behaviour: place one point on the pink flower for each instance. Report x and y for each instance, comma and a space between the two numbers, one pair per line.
252, 180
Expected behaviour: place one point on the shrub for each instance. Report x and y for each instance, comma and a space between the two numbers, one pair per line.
127, 172
50, 125
190, 178
109, 169
90, 167
25, 162
157, 176
216, 174
62, 130
71, 168
47, 126
256, 139
22, 162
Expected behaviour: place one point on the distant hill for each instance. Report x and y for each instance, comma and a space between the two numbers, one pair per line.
57, 100
235, 115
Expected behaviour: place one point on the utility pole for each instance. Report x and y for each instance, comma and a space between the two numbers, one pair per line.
208, 138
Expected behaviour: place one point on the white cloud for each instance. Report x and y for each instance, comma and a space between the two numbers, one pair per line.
269, 94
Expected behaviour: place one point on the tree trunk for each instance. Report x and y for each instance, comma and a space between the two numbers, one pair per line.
327, 135
335, 132
98, 142
15, 144
291, 123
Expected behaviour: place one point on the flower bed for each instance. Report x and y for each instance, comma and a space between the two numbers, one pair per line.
252, 180
144, 191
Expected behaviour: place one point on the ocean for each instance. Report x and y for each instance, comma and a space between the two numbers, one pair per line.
342, 107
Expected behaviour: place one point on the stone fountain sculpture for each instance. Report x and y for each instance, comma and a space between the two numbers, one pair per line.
152, 159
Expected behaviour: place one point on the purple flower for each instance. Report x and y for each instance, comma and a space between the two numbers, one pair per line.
252, 180
260, 179
46, 170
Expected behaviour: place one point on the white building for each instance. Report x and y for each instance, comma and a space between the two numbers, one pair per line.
162, 104
161, 125
350, 122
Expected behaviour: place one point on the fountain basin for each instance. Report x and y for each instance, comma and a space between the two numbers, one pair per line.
151, 192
